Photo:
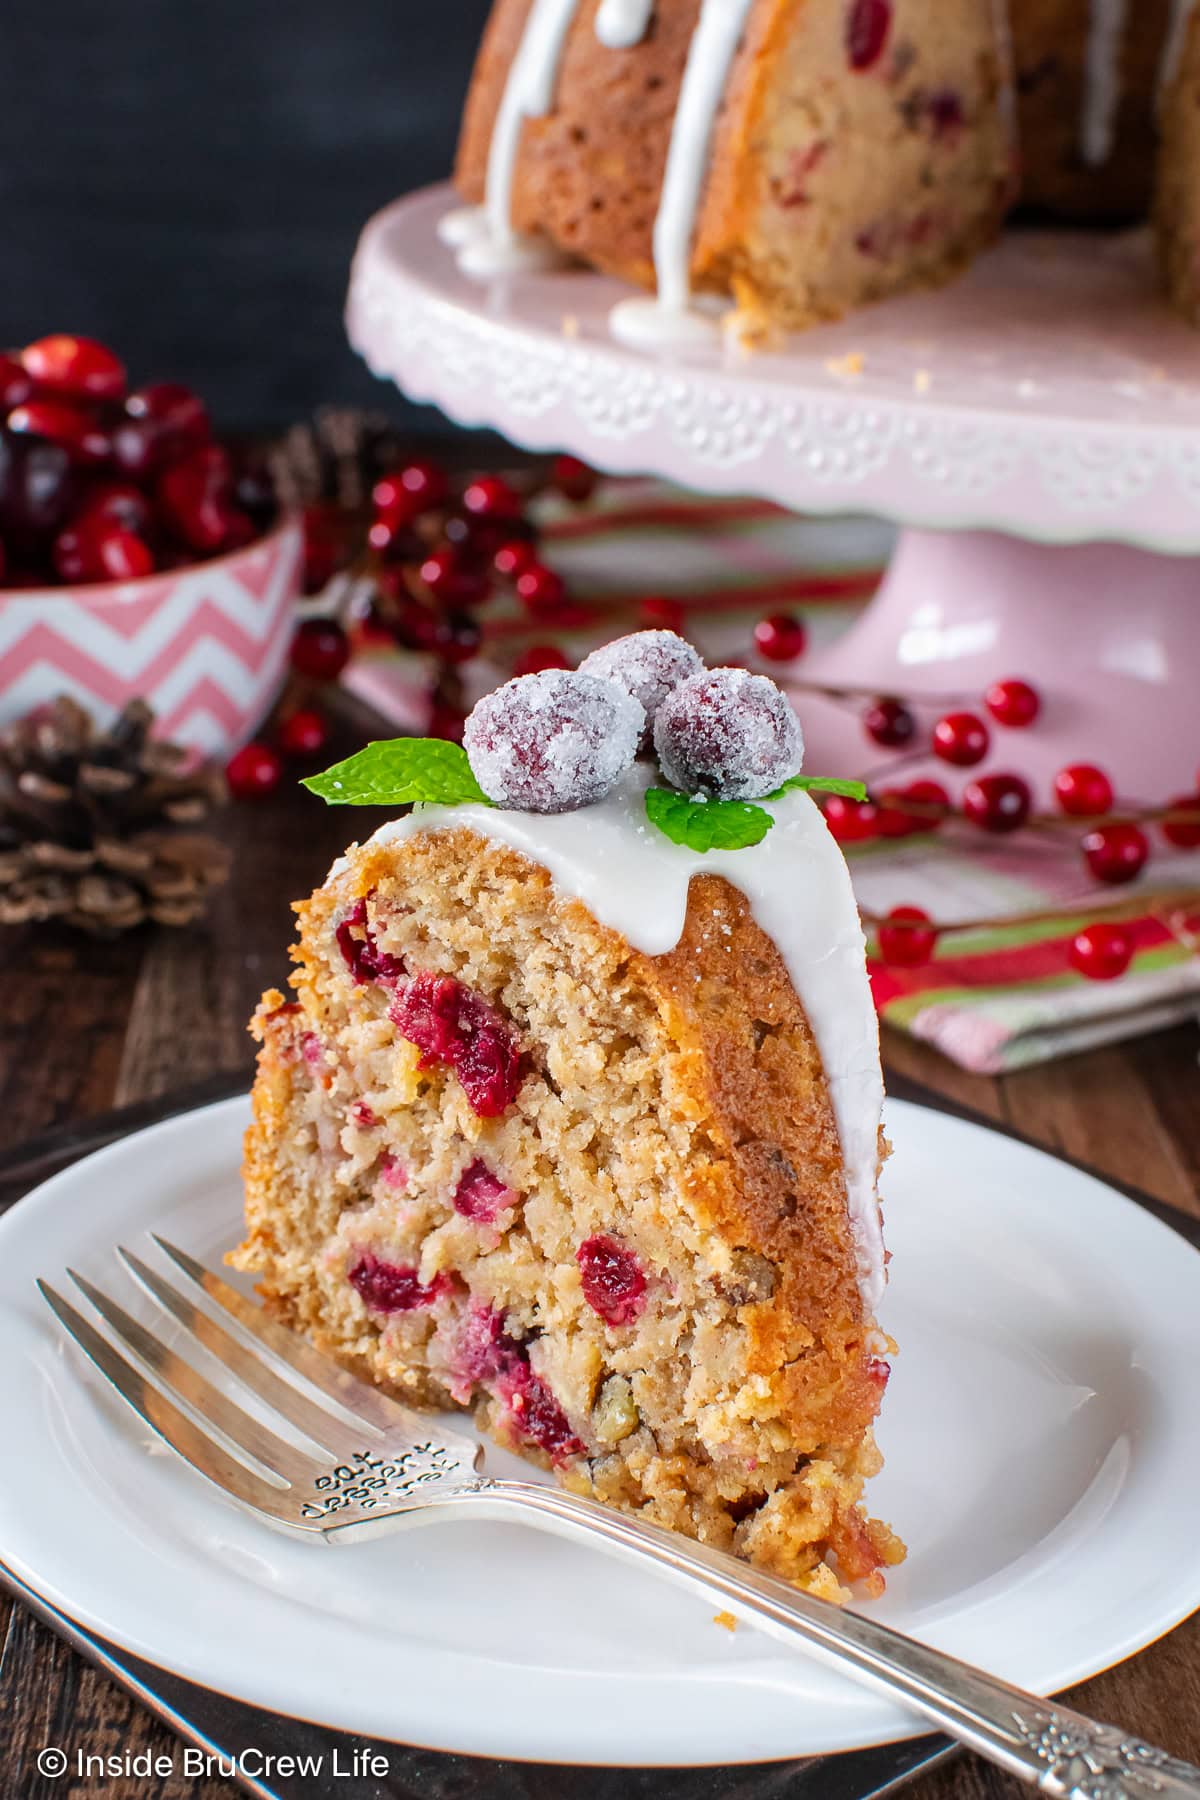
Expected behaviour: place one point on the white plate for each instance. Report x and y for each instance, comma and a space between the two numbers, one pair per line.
1043, 1461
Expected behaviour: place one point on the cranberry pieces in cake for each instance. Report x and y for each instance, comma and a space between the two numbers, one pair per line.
387, 1287
538, 1417
450, 1024
361, 954
614, 1283
482, 1196
868, 23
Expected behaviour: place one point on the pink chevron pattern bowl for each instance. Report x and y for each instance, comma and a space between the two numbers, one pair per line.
205, 645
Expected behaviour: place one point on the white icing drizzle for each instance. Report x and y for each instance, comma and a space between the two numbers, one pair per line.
620, 24
1102, 80
1181, 12
714, 41
635, 880
487, 244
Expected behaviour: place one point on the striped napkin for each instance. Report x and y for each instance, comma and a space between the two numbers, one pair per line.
996, 996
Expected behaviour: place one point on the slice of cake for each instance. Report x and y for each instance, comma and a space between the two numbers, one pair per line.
575, 1120
802, 156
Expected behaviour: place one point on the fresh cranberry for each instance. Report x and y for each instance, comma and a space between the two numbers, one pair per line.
459, 637
76, 366
552, 742
482, 1196
97, 548
178, 416
16, 384
1083, 791
539, 657
997, 802
540, 1418
513, 557
1013, 703
392, 535
907, 937
890, 723
3, 563
304, 732
851, 821
446, 722
867, 27
361, 954
1116, 853
1184, 832
574, 479
386, 1287
194, 495
614, 1284
450, 1024
254, 492
119, 501
961, 738
781, 637
416, 626
895, 820
38, 488
136, 448
541, 591
1101, 952
320, 649
75, 430
455, 579
490, 497
661, 613
729, 734
419, 484
253, 772
931, 794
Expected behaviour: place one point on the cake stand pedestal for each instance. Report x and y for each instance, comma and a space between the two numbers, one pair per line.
1035, 428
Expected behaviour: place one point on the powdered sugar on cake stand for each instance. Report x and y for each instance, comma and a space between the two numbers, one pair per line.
635, 880
1048, 395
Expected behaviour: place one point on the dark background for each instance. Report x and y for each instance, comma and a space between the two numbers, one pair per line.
186, 179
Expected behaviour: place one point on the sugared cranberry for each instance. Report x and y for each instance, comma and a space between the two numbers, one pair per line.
419, 485
482, 1196
38, 487
540, 1418
907, 938
453, 578
57, 423
781, 637
1101, 952
1013, 703
728, 734
450, 1024
541, 591
889, 722
540, 657
574, 479
304, 732
648, 665
961, 738
851, 821
997, 802
360, 952
661, 613
867, 25
195, 496
253, 772
1083, 791
1184, 832
1116, 853
178, 416
320, 649
614, 1284
513, 557
386, 1287
490, 497
552, 742
16, 384
78, 367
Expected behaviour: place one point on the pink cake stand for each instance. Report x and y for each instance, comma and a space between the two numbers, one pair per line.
1034, 428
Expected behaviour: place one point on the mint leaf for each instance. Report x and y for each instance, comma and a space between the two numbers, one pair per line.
820, 784
706, 824
399, 772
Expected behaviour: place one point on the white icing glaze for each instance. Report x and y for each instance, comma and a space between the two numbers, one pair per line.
714, 41
646, 324
1181, 12
1102, 80
620, 24
635, 880
463, 225
528, 94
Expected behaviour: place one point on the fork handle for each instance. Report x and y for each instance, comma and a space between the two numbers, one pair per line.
1060, 1751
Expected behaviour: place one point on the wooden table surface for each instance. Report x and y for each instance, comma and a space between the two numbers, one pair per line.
88, 1026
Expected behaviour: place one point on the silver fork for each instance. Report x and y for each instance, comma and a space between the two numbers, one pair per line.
358, 1463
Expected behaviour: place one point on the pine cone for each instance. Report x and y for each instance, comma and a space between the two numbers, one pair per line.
337, 457
89, 823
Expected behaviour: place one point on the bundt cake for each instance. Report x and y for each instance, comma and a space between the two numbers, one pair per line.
575, 1119
1177, 205
801, 156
